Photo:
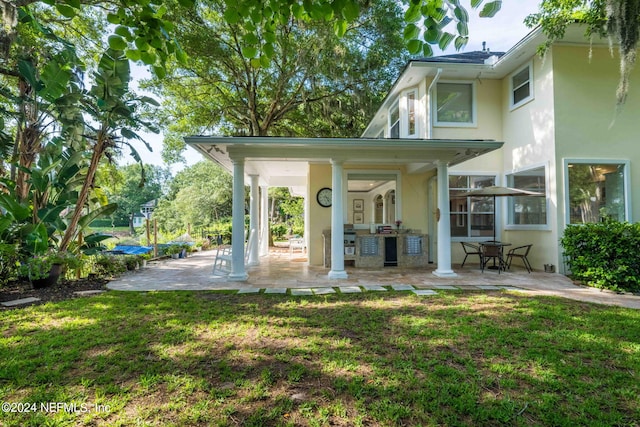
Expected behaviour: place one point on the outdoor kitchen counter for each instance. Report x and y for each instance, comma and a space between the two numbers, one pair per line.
403, 249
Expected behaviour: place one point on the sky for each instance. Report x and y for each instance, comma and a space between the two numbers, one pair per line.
500, 33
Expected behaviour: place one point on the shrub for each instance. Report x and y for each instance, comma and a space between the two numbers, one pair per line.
604, 255
8, 263
106, 266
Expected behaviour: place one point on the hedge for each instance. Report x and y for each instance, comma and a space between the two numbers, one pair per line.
604, 255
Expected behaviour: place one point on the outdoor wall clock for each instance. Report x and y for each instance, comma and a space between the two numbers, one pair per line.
324, 197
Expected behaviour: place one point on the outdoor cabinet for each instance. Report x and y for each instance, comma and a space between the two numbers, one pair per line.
391, 251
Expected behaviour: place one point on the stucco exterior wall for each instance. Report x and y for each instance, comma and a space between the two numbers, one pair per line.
529, 136
587, 124
319, 218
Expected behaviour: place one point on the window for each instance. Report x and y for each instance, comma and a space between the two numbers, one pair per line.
596, 191
455, 104
411, 114
521, 86
471, 216
528, 210
394, 123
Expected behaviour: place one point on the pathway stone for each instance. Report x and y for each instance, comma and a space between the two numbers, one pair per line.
374, 288
350, 289
323, 291
302, 291
249, 290
21, 301
402, 287
275, 291
512, 288
488, 287
424, 292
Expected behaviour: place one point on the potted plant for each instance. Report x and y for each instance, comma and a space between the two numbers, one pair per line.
45, 270
173, 251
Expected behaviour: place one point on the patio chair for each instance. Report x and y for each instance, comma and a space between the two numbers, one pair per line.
492, 252
297, 243
470, 249
223, 260
520, 252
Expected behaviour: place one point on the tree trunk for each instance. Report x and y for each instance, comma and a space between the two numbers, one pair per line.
132, 230
98, 150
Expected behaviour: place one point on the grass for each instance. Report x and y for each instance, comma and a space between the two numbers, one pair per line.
220, 359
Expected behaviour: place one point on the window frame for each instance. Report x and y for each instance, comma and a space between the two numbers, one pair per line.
474, 104
626, 177
509, 205
514, 105
497, 210
395, 107
405, 113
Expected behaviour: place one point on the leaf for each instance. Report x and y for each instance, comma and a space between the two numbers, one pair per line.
490, 9
268, 50
255, 62
133, 54
351, 10
122, 31
411, 31
340, 27
95, 213
413, 14
463, 29
461, 13
117, 43
66, 11
432, 36
28, 72
460, 42
476, 3
445, 40
414, 46
426, 50
159, 71
249, 51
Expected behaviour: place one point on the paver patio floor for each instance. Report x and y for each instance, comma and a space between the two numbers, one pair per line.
279, 271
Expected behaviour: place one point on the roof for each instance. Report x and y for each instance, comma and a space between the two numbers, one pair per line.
476, 57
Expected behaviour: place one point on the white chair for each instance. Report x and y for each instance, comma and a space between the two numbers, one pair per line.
222, 263
297, 243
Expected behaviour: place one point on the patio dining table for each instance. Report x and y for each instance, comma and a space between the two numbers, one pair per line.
499, 246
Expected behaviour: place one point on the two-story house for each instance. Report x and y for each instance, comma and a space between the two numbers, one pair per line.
448, 125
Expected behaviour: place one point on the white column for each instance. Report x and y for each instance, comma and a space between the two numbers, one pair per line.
237, 222
444, 228
264, 220
337, 223
254, 209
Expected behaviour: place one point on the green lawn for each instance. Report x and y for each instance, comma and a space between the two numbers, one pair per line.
372, 359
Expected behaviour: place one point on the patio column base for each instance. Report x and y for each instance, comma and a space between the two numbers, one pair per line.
338, 274
237, 277
445, 273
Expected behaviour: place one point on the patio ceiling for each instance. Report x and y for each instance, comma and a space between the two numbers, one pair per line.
283, 161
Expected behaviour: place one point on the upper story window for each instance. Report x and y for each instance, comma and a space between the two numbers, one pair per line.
522, 86
394, 123
455, 104
411, 113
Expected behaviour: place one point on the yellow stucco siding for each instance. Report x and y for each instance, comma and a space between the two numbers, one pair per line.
319, 218
587, 126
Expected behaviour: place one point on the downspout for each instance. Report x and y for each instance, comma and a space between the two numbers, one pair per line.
429, 109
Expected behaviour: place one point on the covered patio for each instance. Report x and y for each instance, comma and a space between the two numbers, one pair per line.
298, 163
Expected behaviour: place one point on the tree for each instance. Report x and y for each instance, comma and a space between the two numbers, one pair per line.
619, 20
313, 84
199, 195
129, 191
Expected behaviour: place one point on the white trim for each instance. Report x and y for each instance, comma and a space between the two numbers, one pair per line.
626, 175
531, 97
395, 106
404, 113
537, 227
474, 105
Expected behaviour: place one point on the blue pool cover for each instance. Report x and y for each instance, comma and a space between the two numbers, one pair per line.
132, 250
